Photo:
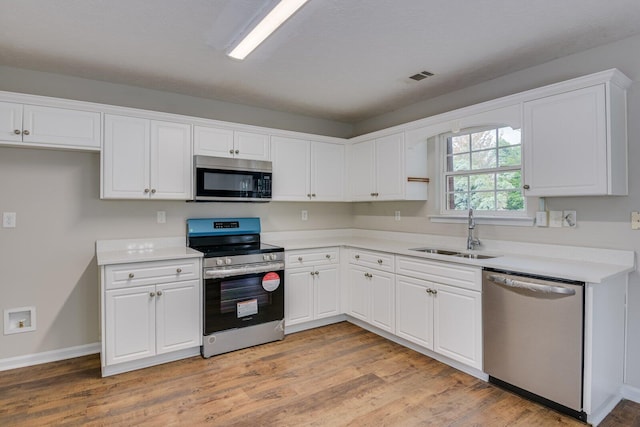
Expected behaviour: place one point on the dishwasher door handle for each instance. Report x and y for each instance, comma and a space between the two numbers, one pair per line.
534, 287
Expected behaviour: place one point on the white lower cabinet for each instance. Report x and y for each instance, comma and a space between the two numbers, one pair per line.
444, 318
371, 290
149, 309
312, 285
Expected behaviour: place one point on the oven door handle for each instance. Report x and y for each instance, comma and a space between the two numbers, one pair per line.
217, 273
534, 287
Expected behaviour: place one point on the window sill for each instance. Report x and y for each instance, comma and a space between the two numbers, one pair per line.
490, 220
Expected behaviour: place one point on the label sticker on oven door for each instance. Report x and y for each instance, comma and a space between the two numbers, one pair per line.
271, 281
247, 308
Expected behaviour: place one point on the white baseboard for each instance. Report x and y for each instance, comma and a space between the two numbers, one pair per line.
631, 393
48, 356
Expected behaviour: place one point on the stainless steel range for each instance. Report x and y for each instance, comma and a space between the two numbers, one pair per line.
243, 301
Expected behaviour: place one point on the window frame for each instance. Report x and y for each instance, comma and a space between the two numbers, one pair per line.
443, 174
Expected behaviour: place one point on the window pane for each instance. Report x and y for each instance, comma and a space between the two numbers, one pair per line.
483, 159
482, 182
458, 201
510, 201
508, 136
508, 180
483, 140
458, 162
510, 156
458, 183
483, 201
458, 144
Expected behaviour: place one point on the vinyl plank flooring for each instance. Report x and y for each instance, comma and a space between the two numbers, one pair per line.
338, 375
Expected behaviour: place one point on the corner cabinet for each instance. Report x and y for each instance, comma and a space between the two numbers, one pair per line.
307, 170
146, 159
220, 142
575, 140
52, 127
149, 309
380, 169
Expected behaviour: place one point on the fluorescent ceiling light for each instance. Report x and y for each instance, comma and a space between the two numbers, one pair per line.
266, 27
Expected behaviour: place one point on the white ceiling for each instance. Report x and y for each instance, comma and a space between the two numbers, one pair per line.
346, 60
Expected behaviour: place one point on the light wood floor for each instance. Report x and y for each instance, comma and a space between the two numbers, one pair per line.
339, 375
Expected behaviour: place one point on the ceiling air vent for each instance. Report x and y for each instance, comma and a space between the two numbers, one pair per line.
421, 75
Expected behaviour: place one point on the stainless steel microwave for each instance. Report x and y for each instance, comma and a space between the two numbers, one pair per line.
231, 180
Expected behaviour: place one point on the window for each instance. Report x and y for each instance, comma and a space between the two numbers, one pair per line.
483, 171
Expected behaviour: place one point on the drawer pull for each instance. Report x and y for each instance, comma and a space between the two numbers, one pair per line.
25, 132
328, 256
300, 258
357, 257
152, 294
178, 270
159, 293
380, 261
131, 275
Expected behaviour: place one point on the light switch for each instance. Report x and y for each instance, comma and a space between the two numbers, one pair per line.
304, 215
161, 217
555, 218
9, 219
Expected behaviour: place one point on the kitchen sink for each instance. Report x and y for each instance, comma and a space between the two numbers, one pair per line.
435, 251
452, 253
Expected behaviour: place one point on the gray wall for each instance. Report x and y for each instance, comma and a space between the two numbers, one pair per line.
602, 221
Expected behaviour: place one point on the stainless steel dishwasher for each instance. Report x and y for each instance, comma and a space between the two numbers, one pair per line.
533, 332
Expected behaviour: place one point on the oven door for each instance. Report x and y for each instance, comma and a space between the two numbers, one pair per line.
243, 300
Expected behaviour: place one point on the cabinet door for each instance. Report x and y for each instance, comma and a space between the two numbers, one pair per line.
326, 291
390, 167
125, 158
565, 144
252, 146
212, 141
59, 126
458, 324
171, 162
130, 324
290, 159
383, 291
10, 122
414, 311
298, 296
327, 171
177, 316
361, 170
359, 293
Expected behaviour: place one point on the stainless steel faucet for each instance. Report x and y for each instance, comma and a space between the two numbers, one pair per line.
472, 242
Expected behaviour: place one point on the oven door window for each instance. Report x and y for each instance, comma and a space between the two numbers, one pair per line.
226, 183
239, 301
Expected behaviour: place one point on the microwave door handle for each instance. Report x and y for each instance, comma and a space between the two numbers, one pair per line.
534, 287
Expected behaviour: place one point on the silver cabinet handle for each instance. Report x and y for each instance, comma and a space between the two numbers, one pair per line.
328, 256
369, 275
313, 194
131, 275
534, 287
300, 258
178, 270
309, 195
317, 273
526, 186
17, 131
380, 261
372, 194
25, 132
159, 293
357, 257
311, 273
146, 190
431, 291
237, 151
230, 151
152, 294
153, 191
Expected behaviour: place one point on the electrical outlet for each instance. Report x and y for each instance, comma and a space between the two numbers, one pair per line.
542, 219
397, 216
569, 219
9, 219
635, 220
304, 215
161, 217
555, 219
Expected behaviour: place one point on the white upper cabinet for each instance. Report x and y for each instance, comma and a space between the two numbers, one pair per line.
379, 169
34, 125
218, 142
575, 142
307, 170
145, 159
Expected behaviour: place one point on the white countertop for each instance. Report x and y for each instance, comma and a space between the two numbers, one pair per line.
581, 264
139, 250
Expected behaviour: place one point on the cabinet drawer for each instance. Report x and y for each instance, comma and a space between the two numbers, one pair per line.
306, 258
378, 260
151, 273
439, 272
